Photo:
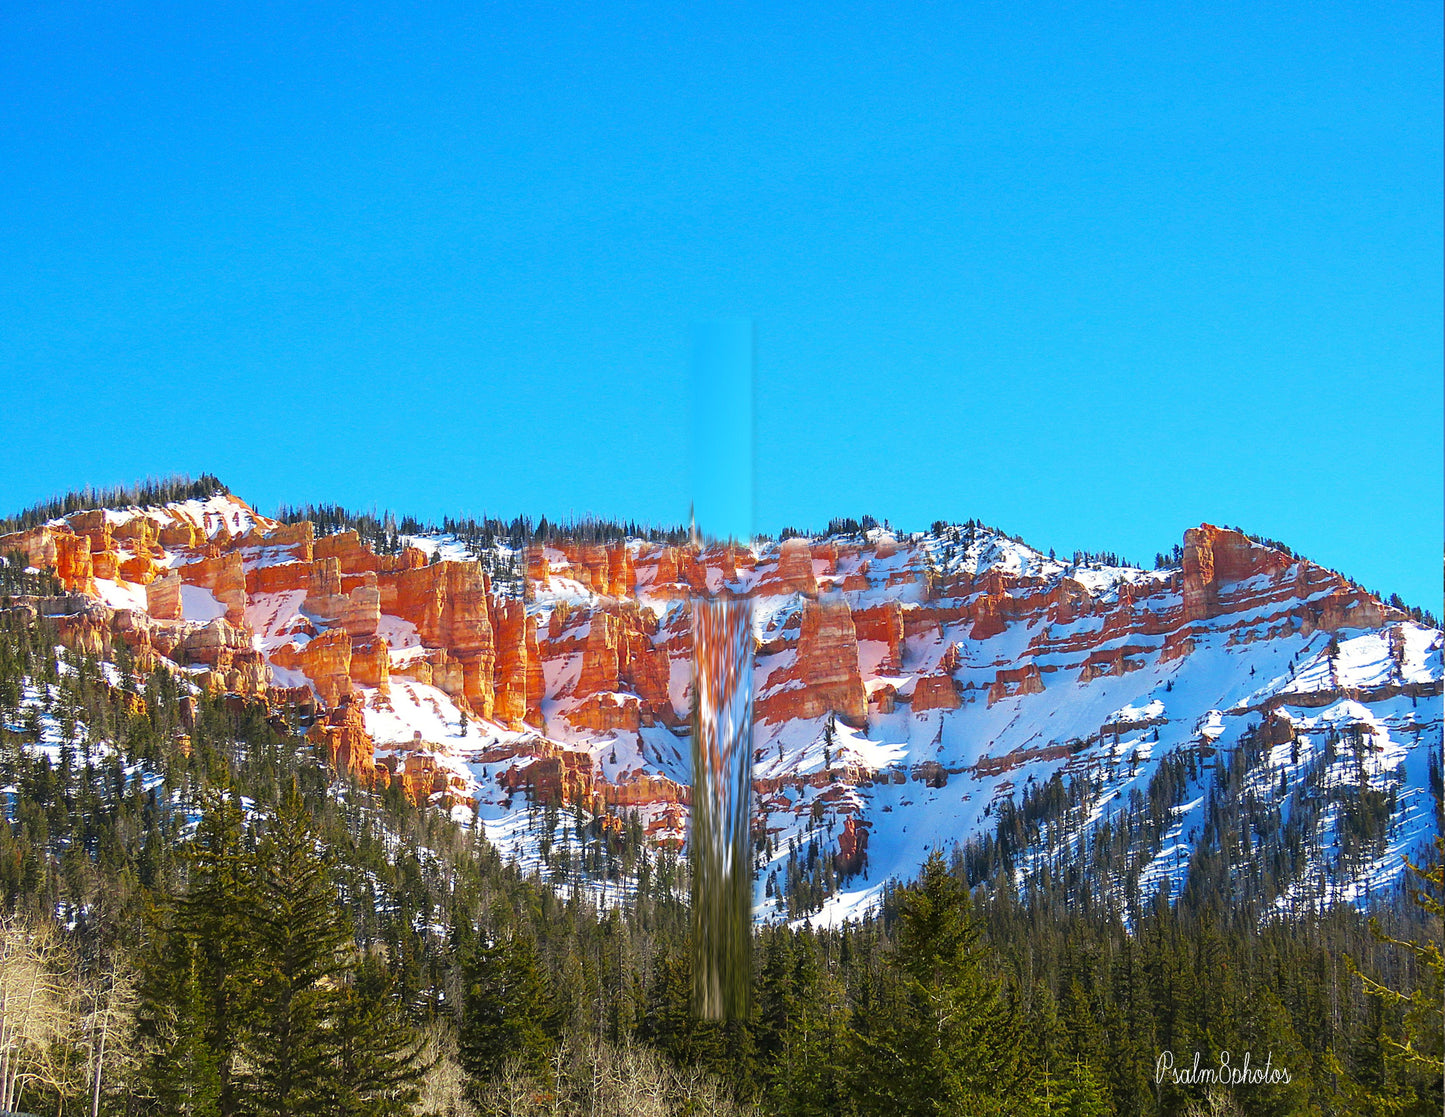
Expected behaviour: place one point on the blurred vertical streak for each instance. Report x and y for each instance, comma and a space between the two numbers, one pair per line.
723, 643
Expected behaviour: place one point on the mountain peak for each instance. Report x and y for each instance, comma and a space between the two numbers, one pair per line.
912, 689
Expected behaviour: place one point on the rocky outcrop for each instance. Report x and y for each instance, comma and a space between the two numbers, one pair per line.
667, 573
646, 790
852, 853
348, 748
883, 623
536, 677
793, 572
599, 637
1013, 681
133, 563
235, 667
349, 601
325, 660
224, 575
935, 692
826, 675
620, 653
605, 569
80, 624
435, 668
205, 643
355, 557
1070, 601
513, 668
163, 597
72, 564
1214, 558
993, 765
293, 542
371, 664
990, 607
549, 773
621, 577
448, 604
58, 549
181, 533
601, 655
605, 713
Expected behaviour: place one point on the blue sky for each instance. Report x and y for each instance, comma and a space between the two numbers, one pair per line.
1092, 273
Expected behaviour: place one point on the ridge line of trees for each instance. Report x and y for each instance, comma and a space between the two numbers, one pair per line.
151, 491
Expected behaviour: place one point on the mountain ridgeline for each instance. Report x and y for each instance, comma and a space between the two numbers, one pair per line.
324, 813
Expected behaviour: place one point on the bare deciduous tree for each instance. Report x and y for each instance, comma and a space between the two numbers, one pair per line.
1218, 1102
110, 998
38, 1011
593, 1077
444, 1087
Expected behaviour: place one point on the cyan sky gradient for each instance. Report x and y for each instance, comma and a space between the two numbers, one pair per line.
1091, 273
722, 450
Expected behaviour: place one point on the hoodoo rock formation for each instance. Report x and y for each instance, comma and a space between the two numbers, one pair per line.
958, 664
826, 676
349, 748
852, 852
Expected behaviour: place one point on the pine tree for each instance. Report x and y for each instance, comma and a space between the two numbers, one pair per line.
302, 946
948, 1045
775, 1000
180, 1070
508, 1009
378, 1063
813, 1078
1411, 1068
213, 919
1075, 1091
246, 1006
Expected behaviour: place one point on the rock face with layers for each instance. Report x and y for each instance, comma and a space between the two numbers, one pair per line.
792, 573
826, 676
325, 660
852, 852
59, 550
955, 664
512, 666
224, 576
371, 664
349, 601
163, 597
349, 748
488, 653
935, 692
621, 653
883, 623
448, 604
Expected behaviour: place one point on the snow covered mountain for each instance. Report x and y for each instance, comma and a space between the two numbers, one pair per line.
1238, 718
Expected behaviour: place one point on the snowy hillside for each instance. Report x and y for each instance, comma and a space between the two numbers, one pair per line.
1240, 719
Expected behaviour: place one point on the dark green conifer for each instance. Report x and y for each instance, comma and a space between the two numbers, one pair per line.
302, 952
949, 1044
508, 1008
